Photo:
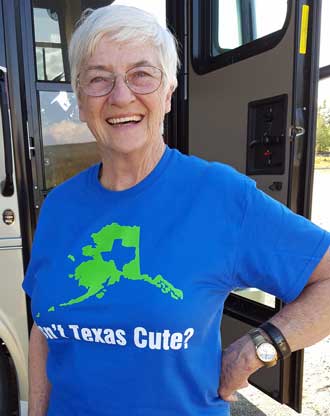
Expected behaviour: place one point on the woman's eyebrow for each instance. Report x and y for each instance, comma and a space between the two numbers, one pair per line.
131, 65
101, 67
140, 63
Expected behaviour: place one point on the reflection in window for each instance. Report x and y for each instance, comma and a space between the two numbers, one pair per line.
49, 54
68, 145
49, 64
241, 22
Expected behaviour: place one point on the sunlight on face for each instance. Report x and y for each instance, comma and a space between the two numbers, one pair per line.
124, 121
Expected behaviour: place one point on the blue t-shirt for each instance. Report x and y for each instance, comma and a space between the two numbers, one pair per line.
129, 286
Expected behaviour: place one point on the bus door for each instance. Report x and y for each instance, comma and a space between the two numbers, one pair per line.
13, 323
251, 75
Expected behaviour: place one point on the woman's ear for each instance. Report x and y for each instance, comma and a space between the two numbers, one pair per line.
168, 99
82, 115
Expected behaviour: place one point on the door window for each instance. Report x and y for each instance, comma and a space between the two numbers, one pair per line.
243, 21
228, 31
68, 145
48, 45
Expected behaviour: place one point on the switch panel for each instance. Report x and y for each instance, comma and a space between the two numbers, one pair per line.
266, 136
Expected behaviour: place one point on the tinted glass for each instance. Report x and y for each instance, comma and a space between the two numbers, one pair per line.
49, 46
243, 21
68, 145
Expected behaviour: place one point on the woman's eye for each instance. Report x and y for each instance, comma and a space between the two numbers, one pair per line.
96, 80
141, 74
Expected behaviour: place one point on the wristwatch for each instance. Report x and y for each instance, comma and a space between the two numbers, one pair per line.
279, 342
265, 350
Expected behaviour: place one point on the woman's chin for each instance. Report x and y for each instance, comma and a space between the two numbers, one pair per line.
125, 145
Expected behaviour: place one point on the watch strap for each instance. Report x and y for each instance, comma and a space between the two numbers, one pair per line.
279, 341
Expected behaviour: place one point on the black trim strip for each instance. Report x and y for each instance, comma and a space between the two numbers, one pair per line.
248, 311
177, 126
53, 86
7, 187
325, 72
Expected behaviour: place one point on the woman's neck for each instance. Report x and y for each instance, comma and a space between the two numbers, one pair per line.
123, 171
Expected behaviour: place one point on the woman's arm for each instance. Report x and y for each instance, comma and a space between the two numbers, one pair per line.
39, 386
302, 322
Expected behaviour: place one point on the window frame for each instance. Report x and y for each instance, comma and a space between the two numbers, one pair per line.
206, 54
325, 72
62, 46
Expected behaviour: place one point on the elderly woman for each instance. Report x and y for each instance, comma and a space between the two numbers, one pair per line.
127, 298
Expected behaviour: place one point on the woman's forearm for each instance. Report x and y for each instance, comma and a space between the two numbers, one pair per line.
302, 322
39, 386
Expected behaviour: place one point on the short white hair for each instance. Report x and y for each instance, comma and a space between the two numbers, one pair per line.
122, 24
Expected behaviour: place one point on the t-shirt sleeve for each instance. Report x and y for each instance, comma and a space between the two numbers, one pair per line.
278, 250
43, 230
36, 254
29, 279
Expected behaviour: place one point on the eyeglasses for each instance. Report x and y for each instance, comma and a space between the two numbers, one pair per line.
140, 80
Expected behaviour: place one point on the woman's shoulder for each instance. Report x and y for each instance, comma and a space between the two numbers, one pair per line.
212, 173
71, 189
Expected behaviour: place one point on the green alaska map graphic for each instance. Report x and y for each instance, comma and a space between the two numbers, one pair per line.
96, 274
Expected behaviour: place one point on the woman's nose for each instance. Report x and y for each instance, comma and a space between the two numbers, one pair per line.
121, 95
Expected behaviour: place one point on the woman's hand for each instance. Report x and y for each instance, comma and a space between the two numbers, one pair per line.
239, 361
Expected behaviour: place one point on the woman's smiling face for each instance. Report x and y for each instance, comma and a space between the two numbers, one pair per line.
105, 115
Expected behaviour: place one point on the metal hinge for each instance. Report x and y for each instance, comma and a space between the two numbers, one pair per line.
296, 131
30, 142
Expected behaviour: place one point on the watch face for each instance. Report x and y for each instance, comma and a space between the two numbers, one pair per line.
266, 352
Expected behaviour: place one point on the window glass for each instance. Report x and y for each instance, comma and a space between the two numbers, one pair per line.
54, 22
156, 7
48, 48
321, 202
68, 145
257, 295
229, 27
243, 21
325, 34
49, 64
46, 25
269, 16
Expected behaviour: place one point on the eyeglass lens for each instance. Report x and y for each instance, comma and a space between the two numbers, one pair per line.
142, 80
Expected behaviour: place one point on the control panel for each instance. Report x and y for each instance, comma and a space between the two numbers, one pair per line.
266, 136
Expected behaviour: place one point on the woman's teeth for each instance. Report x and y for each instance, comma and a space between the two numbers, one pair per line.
123, 120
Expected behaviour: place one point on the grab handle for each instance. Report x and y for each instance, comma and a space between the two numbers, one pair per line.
7, 185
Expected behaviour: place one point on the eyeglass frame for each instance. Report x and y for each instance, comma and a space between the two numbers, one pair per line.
116, 74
